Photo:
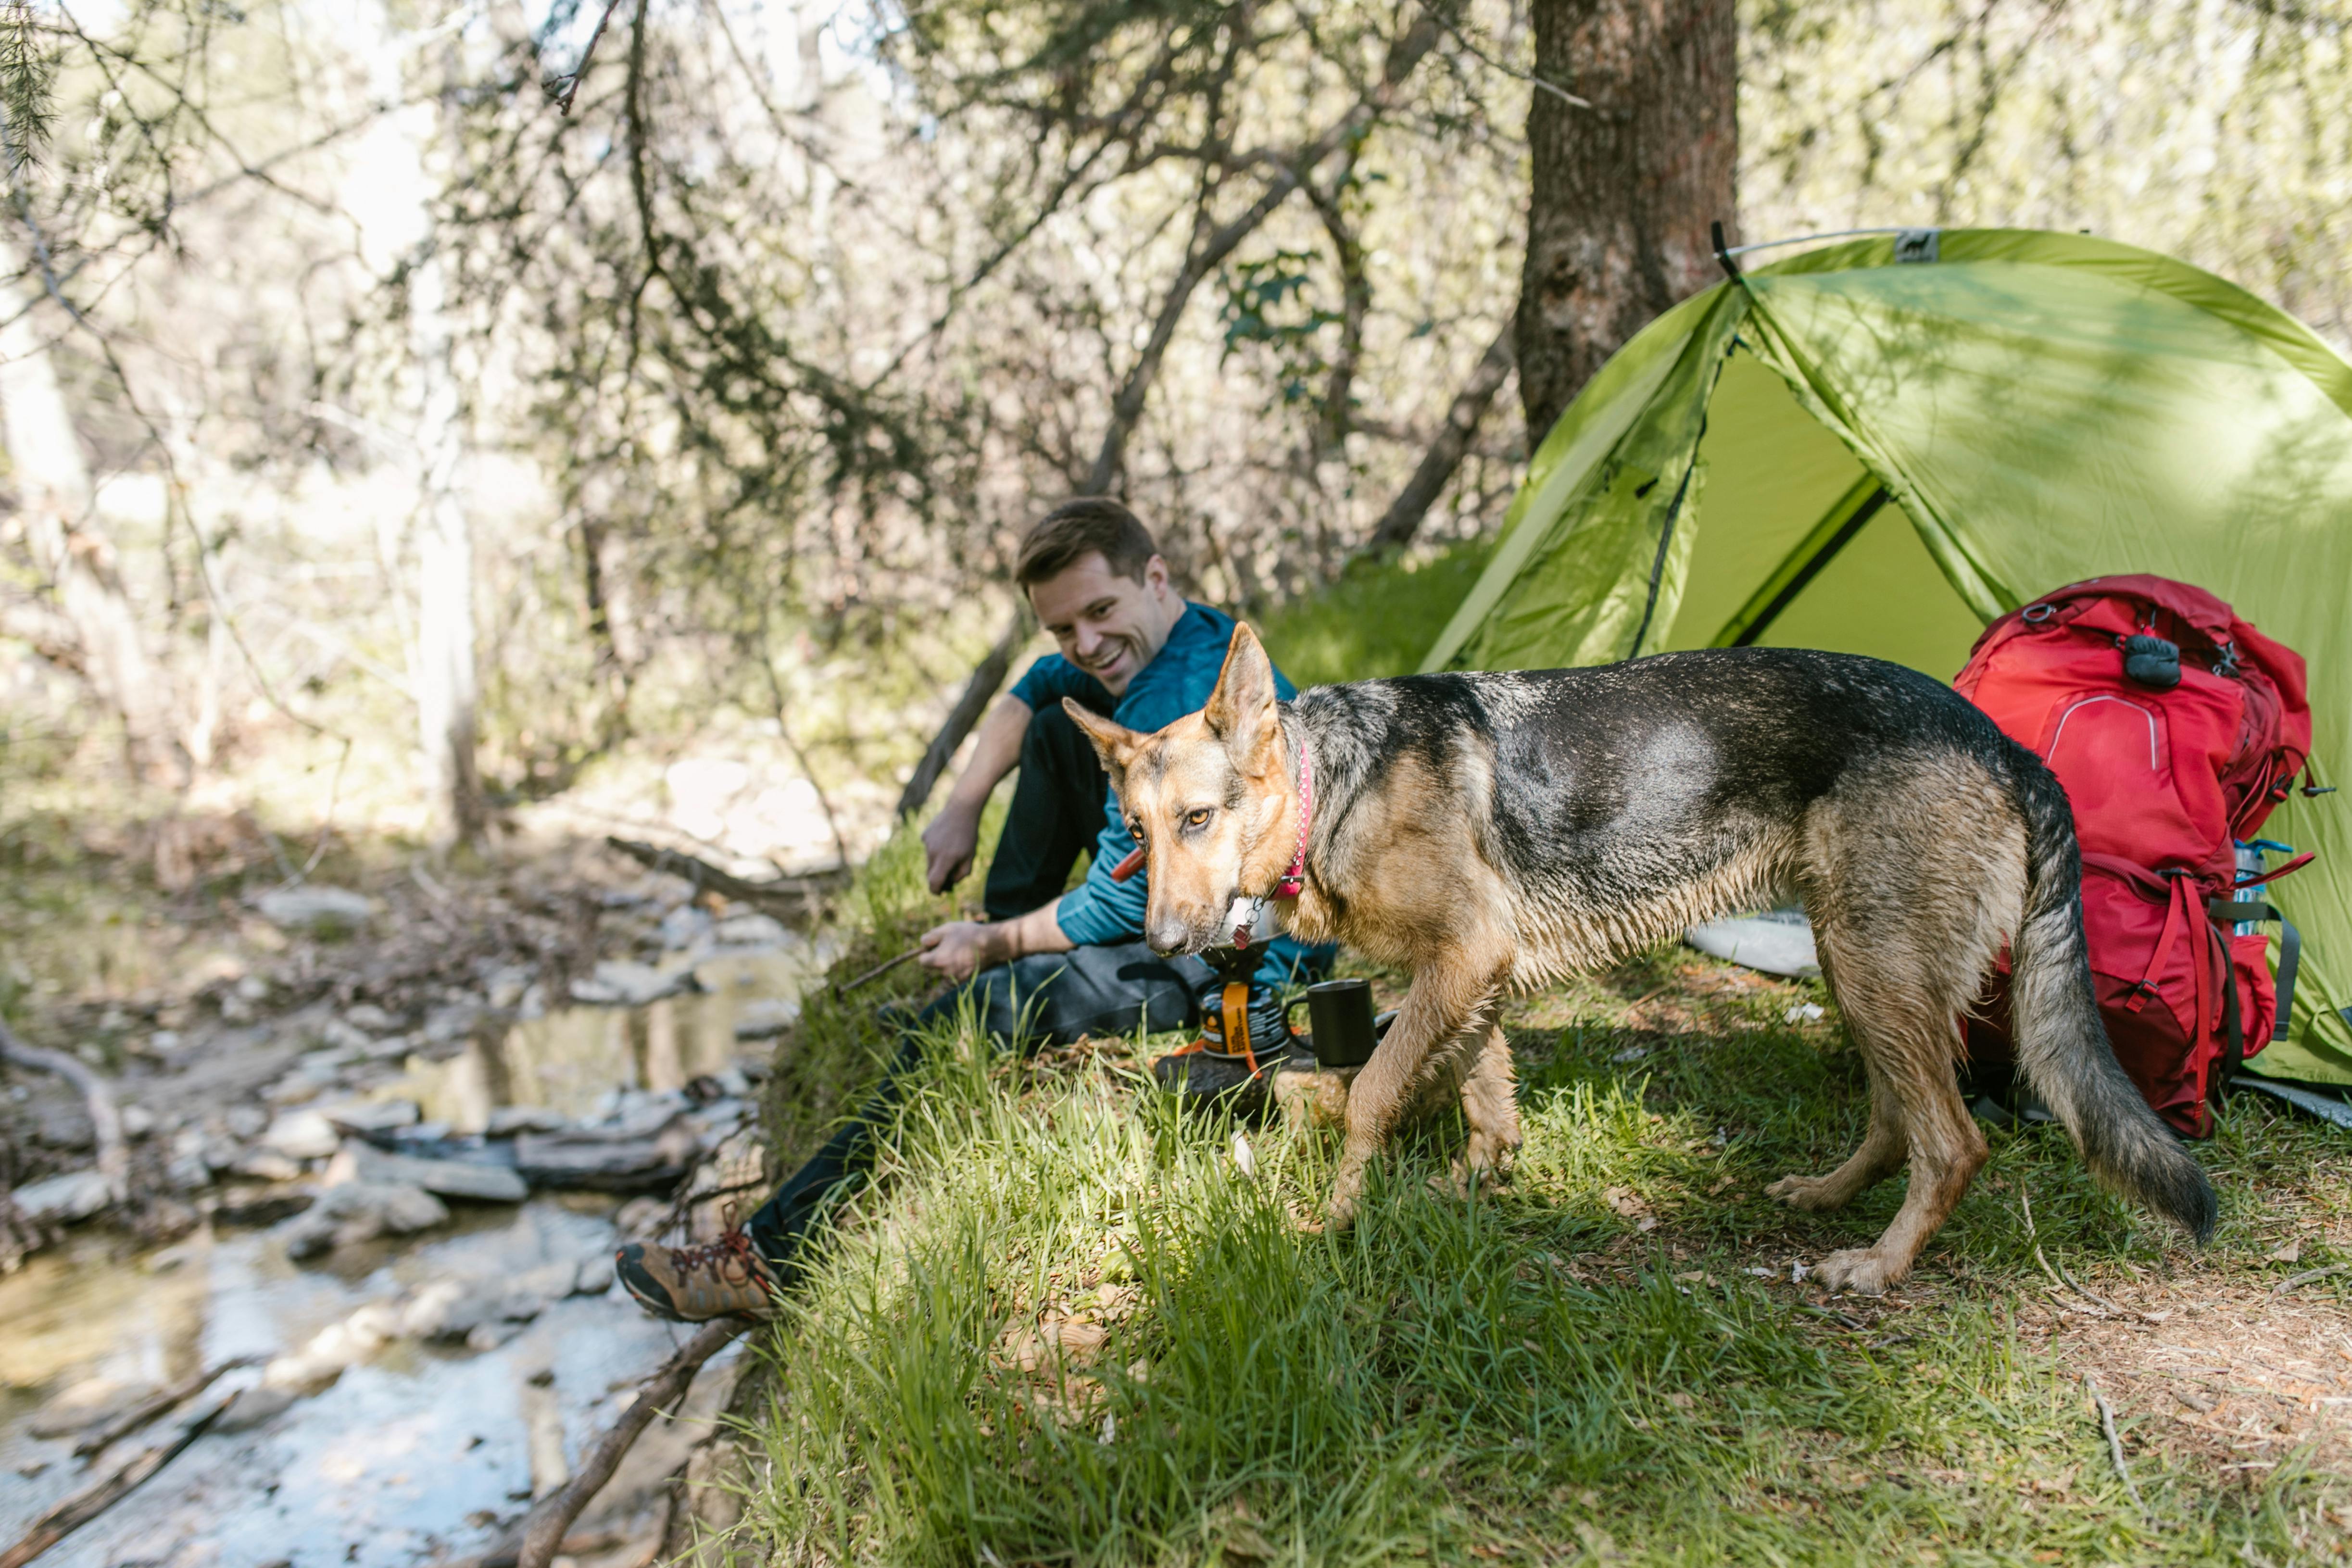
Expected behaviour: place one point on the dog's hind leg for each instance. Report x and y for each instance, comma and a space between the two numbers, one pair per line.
1881, 1156
1910, 872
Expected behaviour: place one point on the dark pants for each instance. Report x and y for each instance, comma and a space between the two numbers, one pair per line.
1056, 811
1045, 999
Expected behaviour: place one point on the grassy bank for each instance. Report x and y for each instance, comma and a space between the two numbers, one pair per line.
1067, 1327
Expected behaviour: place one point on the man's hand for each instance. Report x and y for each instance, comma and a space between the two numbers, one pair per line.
949, 843
961, 948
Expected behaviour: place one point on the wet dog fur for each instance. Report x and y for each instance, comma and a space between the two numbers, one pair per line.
1492, 832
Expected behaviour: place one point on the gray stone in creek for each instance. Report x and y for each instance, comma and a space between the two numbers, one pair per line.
360, 1211
77, 1195
763, 1017
316, 907
509, 1120
450, 1178
619, 982
622, 1164
304, 1134
372, 1115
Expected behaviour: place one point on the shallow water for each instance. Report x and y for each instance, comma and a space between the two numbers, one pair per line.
421, 1452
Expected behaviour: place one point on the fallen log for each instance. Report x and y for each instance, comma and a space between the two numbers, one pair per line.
802, 893
540, 1536
90, 1501
105, 1114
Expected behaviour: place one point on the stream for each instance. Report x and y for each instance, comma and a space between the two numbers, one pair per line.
358, 1436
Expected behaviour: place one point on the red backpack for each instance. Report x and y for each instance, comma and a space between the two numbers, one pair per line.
2176, 728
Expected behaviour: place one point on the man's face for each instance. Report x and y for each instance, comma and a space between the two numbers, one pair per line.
1108, 625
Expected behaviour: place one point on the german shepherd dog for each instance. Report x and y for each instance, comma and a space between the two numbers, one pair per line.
1492, 832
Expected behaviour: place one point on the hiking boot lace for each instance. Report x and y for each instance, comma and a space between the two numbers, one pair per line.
730, 1257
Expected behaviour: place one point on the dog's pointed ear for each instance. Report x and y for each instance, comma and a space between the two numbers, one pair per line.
1114, 743
1241, 711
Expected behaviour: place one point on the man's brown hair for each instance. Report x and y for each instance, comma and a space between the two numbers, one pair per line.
1075, 530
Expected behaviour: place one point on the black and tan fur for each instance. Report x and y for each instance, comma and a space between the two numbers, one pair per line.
1492, 832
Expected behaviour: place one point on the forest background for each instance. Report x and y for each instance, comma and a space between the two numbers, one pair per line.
434, 427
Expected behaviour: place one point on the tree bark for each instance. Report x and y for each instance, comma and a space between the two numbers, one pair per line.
1622, 192
55, 494
447, 688
1462, 417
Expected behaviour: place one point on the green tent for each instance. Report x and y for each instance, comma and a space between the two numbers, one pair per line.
1880, 445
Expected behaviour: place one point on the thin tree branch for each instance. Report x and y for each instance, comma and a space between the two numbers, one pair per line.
565, 87
1435, 471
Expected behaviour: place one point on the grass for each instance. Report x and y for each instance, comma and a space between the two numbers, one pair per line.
1379, 619
1603, 1360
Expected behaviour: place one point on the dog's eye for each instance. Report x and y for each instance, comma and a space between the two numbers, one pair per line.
1197, 817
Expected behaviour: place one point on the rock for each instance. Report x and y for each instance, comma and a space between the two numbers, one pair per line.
450, 1178
504, 985
618, 982
490, 1335
509, 1120
302, 1135
360, 1211
372, 1115
604, 1162
345, 1037
245, 1120
320, 908
445, 1309
138, 1122
188, 1173
641, 1218
267, 1165
764, 1017
252, 1406
424, 1133
265, 1211
371, 1017
77, 1195
751, 930
595, 1276
452, 1020
63, 1126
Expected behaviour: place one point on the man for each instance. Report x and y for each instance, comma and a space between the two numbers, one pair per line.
1046, 966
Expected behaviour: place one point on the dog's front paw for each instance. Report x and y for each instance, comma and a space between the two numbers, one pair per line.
1803, 1192
1861, 1269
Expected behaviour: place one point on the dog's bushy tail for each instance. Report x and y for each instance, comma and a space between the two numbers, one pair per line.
2061, 1045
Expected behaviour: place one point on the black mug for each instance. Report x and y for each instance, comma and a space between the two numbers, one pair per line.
1339, 1016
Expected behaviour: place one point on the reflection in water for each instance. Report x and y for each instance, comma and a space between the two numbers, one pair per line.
568, 1061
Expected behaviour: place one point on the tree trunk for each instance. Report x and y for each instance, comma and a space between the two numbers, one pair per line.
1623, 191
54, 492
445, 689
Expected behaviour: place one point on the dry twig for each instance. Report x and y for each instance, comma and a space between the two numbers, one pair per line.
543, 1529
2114, 1443
2306, 1277
153, 1406
105, 1115
90, 1502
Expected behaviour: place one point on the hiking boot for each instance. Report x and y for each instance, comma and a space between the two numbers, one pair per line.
694, 1284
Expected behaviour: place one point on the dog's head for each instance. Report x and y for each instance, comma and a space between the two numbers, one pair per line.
1209, 798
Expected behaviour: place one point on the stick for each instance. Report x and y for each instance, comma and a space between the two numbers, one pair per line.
708, 878
842, 988
2306, 1277
105, 1115
154, 1405
2116, 1445
88, 1503
541, 1534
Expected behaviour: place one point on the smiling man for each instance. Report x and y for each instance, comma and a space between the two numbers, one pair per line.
1046, 966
